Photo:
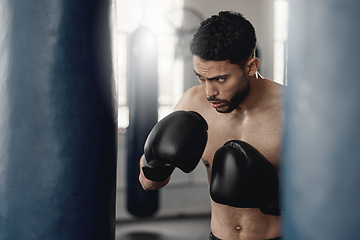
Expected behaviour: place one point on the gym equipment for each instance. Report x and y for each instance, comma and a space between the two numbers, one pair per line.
321, 133
143, 115
57, 121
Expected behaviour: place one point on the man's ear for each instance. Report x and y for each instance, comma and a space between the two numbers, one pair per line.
252, 66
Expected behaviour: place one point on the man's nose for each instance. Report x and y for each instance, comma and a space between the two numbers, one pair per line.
211, 89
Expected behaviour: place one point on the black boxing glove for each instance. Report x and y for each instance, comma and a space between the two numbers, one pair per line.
178, 140
242, 177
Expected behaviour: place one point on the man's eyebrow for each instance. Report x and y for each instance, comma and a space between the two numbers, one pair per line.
197, 74
213, 78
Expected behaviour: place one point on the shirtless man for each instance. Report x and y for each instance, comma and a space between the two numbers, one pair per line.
237, 104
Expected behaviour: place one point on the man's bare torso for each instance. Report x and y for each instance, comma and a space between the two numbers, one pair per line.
259, 126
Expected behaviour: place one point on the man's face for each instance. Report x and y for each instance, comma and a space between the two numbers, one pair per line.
225, 83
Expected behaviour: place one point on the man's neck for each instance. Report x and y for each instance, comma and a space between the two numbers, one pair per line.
255, 94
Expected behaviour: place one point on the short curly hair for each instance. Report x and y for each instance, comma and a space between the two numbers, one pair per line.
226, 36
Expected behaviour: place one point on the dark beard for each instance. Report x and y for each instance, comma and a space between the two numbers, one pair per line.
234, 102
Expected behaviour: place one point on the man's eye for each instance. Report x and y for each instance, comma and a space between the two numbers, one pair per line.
221, 80
201, 78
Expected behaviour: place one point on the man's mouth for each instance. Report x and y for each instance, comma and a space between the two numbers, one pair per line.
217, 104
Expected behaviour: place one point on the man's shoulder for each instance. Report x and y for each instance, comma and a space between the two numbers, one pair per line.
192, 99
274, 90
195, 91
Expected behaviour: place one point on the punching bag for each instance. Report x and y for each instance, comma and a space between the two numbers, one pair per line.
143, 108
321, 163
57, 121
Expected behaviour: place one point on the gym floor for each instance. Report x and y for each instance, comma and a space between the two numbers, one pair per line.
174, 228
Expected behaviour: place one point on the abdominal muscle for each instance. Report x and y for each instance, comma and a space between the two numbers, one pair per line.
230, 223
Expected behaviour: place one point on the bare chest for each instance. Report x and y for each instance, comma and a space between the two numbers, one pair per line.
261, 132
